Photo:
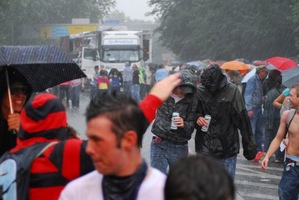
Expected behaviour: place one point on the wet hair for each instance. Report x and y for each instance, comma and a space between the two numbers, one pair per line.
102, 73
296, 87
123, 112
198, 178
14, 76
275, 77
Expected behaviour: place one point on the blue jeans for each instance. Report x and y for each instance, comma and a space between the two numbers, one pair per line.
230, 165
164, 153
136, 92
289, 184
257, 126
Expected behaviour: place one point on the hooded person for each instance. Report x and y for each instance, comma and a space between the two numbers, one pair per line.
9, 122
170, 143
43, 121
224, 103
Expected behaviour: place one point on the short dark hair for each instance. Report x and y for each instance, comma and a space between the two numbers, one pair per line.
123, 112
198, 177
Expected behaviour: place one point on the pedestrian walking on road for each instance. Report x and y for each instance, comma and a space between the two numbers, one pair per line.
136, 84
170, 143
289, 125
254, 100
223, 103
93, 83
272, 88
128, 79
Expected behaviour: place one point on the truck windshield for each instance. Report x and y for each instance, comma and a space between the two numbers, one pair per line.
91, 54
120, 55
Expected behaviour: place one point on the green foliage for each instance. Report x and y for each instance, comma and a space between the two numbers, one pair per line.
217, 29
15, 15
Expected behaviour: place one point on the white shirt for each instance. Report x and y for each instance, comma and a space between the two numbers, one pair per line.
89, 187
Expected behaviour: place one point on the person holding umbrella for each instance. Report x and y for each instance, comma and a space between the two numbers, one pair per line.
10, 121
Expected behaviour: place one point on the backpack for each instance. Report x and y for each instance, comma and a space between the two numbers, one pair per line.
15, 171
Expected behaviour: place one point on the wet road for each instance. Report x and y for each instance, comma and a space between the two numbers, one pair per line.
251, 182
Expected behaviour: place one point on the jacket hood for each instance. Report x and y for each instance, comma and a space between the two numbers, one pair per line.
188, 78
213, 79
43, 116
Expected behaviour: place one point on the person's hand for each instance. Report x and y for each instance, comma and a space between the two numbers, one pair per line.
250, 113
179, 122
13, 121
163, 88
264, 163
202, 122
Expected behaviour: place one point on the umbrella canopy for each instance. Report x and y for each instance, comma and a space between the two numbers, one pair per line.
290, 77
249, 75
234, 65
42, 66
197, 64
282, 63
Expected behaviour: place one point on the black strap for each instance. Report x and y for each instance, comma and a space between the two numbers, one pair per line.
290, 119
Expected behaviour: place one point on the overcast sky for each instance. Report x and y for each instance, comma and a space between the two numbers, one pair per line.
135, 9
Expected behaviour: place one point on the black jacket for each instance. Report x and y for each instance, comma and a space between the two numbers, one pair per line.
227, 109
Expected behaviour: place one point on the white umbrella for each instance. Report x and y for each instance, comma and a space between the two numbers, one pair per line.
253, 71
249, 75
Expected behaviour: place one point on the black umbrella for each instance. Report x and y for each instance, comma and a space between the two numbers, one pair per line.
42, 66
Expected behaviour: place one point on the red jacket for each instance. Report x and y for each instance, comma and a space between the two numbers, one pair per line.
57, 166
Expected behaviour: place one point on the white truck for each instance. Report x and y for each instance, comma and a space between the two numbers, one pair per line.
111, 48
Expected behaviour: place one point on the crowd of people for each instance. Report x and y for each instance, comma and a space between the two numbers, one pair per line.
109, 165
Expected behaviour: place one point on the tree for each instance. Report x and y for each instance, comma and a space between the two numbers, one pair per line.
230, 29
14, 15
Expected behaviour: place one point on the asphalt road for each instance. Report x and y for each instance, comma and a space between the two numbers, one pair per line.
251, 182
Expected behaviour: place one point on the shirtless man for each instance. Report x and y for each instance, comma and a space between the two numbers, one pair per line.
289, 183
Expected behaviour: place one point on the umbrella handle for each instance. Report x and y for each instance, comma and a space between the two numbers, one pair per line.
9, 98
8, 92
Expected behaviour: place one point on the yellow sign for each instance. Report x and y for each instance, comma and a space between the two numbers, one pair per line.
45, 32
75, 29
53, 31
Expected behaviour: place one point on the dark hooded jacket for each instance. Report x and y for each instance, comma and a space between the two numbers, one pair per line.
186, 107
8, 138
224, 102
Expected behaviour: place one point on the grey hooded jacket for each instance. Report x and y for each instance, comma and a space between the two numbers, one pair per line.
186, 107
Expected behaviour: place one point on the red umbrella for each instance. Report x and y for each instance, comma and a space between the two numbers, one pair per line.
282, 63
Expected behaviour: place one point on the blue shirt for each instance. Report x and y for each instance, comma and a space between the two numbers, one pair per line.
161, 74
253, 93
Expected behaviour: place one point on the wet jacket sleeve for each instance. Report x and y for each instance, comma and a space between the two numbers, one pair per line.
242, 122
74, 161
149, 105
248, 93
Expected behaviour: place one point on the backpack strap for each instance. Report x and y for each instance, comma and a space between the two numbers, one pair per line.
291, 115
45, 148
